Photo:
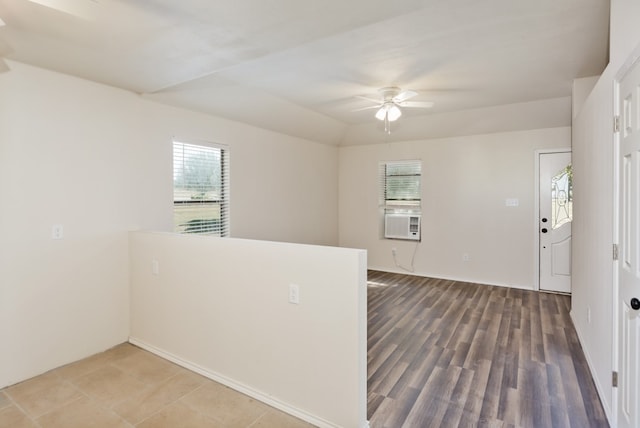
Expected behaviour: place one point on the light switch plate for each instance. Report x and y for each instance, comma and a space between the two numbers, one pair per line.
294, 294
57, 231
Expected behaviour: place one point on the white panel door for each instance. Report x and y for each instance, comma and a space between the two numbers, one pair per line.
554, 221
629, 251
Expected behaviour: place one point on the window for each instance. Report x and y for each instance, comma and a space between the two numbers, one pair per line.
201, 189
400, 186
562, 197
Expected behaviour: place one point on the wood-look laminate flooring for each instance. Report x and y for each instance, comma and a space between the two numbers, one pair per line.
452, 354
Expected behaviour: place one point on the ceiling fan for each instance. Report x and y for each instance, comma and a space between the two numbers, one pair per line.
388, 108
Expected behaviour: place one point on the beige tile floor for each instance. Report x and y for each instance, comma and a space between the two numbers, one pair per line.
129, 387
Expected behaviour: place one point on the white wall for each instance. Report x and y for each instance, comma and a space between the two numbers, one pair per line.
593, 235
98, 161
283, 189
465, 183
220, 306
625, 34
580, 90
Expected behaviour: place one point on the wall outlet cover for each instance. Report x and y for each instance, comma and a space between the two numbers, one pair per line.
294, 294
57, 231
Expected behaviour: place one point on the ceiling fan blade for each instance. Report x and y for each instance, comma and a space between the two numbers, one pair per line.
404, 95
373, 100
4, 51
368, 108
417, 104
85, 9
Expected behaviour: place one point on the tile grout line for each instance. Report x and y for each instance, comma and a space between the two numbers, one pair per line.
173, 402
258, 419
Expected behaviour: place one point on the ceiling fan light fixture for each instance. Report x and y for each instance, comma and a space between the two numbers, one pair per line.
388, 111
393, 113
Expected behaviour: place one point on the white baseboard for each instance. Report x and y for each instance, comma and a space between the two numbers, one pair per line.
601, 392
244, 389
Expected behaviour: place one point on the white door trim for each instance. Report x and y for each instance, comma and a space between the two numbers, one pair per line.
613, 417
630, 62
536, 211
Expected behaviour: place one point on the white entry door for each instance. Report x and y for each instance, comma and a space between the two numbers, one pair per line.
554, 221
628, 305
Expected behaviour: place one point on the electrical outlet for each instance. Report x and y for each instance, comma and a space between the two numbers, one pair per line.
155, 267
465, 257
57, 231
294, 294
394, 251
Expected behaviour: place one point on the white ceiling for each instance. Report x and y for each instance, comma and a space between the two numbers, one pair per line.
297, 66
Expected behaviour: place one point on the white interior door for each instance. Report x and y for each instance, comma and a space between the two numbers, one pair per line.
629, 251
554, 221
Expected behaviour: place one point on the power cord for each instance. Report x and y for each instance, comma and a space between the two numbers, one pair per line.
413, 257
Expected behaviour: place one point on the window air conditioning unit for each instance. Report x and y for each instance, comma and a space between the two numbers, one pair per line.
402, 226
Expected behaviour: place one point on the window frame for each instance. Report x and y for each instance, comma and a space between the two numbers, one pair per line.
394, 205
206, 226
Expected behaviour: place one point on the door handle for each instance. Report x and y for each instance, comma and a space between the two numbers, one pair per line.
544, 230
635, 304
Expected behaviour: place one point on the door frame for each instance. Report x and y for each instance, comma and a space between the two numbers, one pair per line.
631, 61
536, 210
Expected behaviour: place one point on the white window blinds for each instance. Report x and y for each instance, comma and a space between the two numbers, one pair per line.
201, 188
400, 184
